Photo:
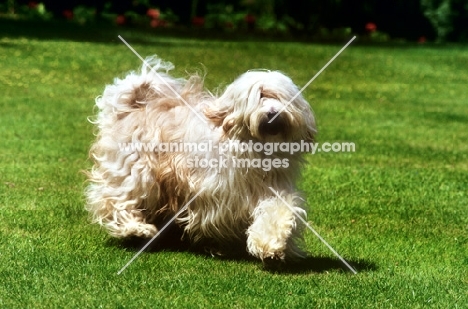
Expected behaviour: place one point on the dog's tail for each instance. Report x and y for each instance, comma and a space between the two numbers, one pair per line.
136, 89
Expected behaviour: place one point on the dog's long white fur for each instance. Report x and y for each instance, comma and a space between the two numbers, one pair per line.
130, 192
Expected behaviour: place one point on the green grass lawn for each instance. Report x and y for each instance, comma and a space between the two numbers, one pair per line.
396, 208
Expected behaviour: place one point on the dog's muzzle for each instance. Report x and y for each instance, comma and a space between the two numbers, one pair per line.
272, 128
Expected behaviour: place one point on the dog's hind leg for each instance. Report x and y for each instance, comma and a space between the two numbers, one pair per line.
119, 194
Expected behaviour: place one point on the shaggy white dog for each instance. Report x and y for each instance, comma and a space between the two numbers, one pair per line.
134, 187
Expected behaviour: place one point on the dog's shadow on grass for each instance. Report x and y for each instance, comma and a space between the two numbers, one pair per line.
311, 264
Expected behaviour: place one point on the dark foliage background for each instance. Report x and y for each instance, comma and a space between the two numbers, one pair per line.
437, 20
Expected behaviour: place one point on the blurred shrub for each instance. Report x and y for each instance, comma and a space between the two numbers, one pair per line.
440, 15
438, 20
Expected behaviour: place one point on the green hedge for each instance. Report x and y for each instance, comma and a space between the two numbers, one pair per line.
437, 20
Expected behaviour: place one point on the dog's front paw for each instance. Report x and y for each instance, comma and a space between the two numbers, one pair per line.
274, 234
266, 249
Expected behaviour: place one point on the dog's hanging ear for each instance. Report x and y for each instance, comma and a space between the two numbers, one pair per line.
215, 115
220, 117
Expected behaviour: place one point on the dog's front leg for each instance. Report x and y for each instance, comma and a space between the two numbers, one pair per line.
275, 232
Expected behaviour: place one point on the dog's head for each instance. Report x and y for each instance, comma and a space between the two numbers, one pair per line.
263, 105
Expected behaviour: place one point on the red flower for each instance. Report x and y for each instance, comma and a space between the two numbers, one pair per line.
198, 21
153, 13
250, 19
371, 27
120, 20
68, 14
32, 5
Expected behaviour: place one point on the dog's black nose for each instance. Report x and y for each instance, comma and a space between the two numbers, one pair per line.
271, 115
